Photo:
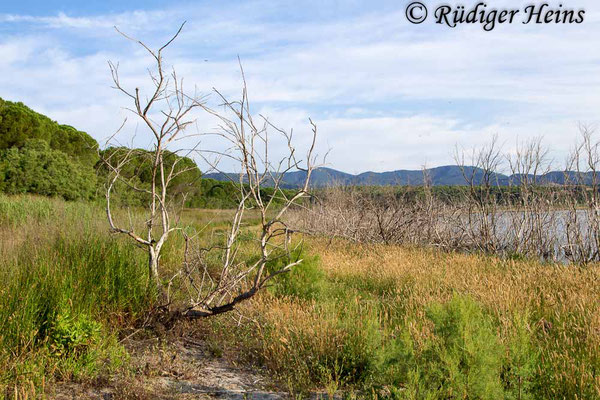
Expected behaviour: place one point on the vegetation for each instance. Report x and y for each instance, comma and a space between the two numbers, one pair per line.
504, 196
382, 321
40, 156
378, 313
19, 124
375, 320
553, 223
66, 286
36, 168
37, 155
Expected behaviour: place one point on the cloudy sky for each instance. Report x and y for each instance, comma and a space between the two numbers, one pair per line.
386, 94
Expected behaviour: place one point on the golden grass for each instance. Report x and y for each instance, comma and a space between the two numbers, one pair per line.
388, 284
502, 285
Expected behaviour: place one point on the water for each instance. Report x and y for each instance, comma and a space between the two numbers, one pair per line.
556, 235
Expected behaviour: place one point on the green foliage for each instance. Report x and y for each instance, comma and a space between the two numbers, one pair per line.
304, 281
37, 168
19, 124
462, 361
370, 333
446, 194
199, 192
467, 359
373, 287
61, 290
215, 194
521, 362
138, 171
367, 345
73, 335
39, 156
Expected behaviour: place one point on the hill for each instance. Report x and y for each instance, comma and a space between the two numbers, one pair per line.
19, 124
448, 175
40, 156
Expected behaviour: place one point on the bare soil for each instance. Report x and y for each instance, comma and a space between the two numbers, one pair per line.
181, 368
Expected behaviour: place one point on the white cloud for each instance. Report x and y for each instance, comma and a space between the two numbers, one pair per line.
133, 19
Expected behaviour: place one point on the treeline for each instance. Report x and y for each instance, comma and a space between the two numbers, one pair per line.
504, 196
40, 156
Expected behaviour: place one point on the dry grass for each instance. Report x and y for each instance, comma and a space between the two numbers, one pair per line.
375, 293
502, 285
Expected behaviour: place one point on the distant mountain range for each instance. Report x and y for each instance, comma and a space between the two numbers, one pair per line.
449, 175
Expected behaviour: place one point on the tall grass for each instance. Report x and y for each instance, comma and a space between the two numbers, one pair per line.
384, 321
66, 284
372, 320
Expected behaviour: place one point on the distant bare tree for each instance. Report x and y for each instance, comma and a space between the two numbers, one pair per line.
480, 172
582, 185
532, 215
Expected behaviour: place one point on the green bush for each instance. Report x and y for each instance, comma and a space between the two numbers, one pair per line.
304, 281
522, 361
73, 335
462, 361
36, 168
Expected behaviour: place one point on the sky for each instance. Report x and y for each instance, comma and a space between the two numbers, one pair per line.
386, 94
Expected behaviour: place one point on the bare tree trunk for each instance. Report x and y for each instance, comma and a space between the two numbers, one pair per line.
153, 267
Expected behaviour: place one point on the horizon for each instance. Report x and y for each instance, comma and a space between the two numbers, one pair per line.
501, 172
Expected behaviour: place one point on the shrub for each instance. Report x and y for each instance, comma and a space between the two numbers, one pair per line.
38, 169
462, 360
71, 335
304, 281
522, 360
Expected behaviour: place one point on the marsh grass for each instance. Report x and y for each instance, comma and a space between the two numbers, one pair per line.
66, 285
412, 323
70, 288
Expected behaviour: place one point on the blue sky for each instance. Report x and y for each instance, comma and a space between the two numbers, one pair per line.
386, 94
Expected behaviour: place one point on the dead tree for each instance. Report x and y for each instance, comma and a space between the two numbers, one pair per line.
250, 139
582, 188
167, 111
532, 215
481, 177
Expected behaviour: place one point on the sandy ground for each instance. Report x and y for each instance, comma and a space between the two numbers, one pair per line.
180, 369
